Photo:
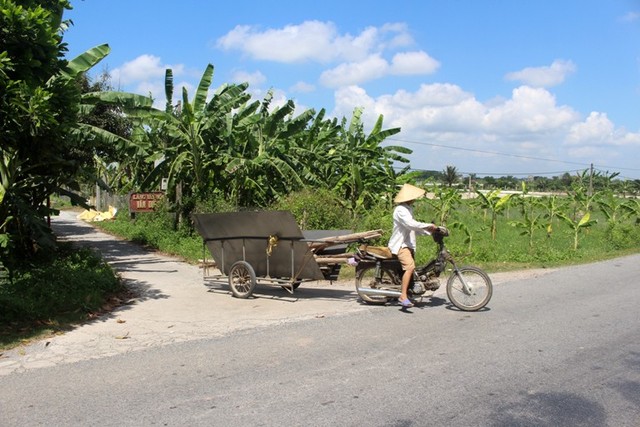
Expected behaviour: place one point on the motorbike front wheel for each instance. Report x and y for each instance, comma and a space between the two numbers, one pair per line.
475, 295
366, 278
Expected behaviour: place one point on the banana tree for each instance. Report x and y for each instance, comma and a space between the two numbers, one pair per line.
261, 163
495, 204
552, 206
191, 138
532, 217
578, 225
444, 202
467, 232
612, 207
122, 151
314, 150
364, 167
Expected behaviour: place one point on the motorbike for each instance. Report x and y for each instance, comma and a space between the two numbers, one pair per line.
379, 277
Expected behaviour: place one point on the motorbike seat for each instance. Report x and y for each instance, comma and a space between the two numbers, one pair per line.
378, 252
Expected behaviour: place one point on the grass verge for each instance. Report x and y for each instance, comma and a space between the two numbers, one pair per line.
53, 293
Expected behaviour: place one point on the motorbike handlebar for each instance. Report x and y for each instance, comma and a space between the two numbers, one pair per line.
441, 230
439, 234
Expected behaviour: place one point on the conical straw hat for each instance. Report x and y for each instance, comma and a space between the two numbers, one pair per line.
407, 193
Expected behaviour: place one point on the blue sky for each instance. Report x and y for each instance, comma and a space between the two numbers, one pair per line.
491, 87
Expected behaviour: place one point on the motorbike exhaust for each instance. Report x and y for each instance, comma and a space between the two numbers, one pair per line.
381, 292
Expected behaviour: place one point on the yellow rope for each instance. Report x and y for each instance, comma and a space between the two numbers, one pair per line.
273, 242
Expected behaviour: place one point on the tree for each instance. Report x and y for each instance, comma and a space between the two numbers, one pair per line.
531, 217
313, 148
495, 204
553, 207
191, 140
445, 201
614, 208
450, 175
490, 182
508, 182
261, 166
364, 168
38, 113
577, 225
120, 153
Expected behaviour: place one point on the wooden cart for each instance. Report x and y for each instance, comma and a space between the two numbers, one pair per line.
268, 248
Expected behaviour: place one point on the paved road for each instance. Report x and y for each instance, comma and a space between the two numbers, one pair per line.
555, 349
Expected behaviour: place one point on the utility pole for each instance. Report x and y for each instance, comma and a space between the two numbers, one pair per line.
591, 181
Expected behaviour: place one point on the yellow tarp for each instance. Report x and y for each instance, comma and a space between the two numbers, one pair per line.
95, 216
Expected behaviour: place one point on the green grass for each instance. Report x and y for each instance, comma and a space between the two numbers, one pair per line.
156, 232
510, 250
54, 292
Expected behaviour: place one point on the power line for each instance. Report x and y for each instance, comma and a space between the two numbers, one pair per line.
497, 153
556, 173
486, 174
524, 173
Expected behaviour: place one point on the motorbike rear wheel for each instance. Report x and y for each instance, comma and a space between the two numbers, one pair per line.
366, 278
480, 292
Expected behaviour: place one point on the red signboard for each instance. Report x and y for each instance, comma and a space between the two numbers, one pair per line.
143, 202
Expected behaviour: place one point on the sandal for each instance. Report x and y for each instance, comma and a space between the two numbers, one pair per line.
406, 303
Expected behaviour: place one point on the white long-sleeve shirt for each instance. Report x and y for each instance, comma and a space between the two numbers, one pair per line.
405, 228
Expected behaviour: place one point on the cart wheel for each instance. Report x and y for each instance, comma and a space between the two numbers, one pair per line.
242, 279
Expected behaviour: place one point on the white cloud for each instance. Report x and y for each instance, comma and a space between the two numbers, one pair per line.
145, 75
254, 79
631, 16
356, 58
399, 35
406, 63
546, 76
152, 88
143, 68
375, 67
448, 108
302, 87
313, 41
352, 73
529, 124
598, 131
294, 43
156, 89
530, 110
436, 108
445, 112
177, 89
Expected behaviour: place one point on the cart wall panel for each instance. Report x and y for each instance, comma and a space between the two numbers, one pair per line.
245, 236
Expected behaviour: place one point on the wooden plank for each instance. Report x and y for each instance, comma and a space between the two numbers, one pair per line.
347, 238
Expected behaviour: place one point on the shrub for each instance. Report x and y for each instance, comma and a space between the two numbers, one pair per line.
623, 235
315, 209
70, 281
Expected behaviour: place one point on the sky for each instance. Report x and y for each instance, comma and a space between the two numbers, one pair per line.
491, 87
